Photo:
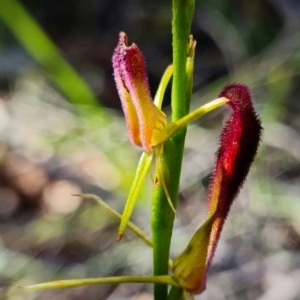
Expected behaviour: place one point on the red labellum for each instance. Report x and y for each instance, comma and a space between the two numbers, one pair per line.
238, 146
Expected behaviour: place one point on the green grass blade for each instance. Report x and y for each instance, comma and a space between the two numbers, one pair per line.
36, 42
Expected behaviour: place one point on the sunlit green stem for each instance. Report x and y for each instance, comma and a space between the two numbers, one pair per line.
161, 225
162, 217
140, 174
177, 125
176, 293
167, 280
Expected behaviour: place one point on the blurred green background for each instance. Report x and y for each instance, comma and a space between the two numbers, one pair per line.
62, 132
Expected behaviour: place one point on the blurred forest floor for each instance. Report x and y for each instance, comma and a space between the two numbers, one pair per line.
62, 132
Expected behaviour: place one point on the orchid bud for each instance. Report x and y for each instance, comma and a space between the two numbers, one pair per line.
146, 123
238, 146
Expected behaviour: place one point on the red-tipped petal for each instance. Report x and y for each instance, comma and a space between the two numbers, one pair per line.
144, 119
124, 93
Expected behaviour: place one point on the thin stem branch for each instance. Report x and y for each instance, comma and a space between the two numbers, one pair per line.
142, 235
166, 280
177, 125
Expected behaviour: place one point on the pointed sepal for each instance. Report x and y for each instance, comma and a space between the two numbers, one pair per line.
189, 267
145, 122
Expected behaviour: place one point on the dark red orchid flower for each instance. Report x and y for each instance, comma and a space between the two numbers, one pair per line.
238, 146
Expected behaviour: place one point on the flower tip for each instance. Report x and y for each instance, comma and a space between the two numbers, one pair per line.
21, 287
145, 122
239, 99
119, 237
237, 94
123, 39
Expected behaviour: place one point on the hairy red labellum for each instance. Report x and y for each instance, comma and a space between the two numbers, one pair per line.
238, 146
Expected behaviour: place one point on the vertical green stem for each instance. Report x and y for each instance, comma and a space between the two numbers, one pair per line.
162, 216
183, 11
176, 293
162, 224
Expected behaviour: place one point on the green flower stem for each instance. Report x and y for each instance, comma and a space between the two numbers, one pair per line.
162, 223
176, 293
183, 11
162, 216
166, 280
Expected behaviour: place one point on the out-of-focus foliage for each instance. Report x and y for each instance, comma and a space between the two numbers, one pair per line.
49, 151
39, 46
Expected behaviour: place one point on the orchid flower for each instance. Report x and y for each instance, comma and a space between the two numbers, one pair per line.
238, 146
146, 123
148, 128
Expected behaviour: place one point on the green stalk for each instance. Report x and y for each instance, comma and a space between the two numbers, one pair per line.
102, 280
162, 216
162, 224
